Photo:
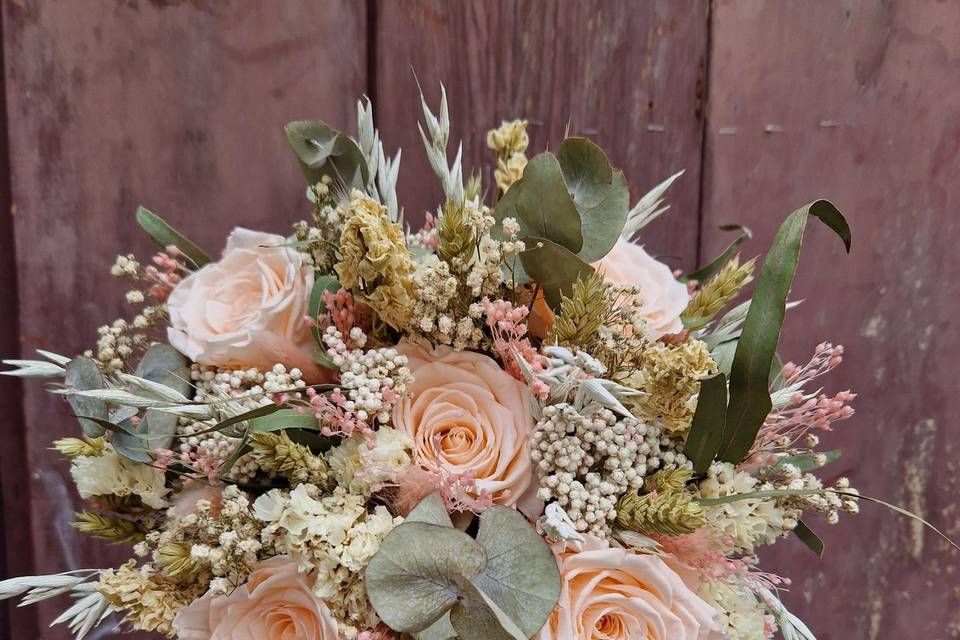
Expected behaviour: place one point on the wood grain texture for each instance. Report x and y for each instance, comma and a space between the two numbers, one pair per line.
178, 106
627, 75
864, 99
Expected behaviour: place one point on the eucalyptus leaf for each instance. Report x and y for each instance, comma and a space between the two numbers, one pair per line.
431, 510
413, 579
477, 617
521, 574
554, 267
707, 271
809, 538
164, 235
442, 629
165, 365
599, 192
324, 151
158, 429
542, 206
83, 374
706, 431
749, 374
236, 420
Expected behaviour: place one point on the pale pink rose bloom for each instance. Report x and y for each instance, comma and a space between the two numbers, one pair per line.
616, 594
248, 309
468, 416
276, 603
664, 299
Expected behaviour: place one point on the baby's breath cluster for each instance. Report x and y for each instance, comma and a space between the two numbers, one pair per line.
318, 242
240, 390
587, 460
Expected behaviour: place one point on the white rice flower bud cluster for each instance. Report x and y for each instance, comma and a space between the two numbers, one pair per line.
587, 460
373, 380
247, 389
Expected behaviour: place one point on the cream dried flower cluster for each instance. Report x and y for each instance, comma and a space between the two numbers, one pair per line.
477, 429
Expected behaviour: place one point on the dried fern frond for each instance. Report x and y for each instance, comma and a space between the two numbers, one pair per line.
667, 513
295, 462
116, 530
583, 313
456, 238
717, 292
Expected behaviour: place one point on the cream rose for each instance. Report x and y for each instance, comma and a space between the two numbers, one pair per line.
467, 416
248, 309
276, 603
616, 594
664, 299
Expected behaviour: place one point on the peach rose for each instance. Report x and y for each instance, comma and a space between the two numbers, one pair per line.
615, 594
276, 603
664, 299
248, 309
467, 416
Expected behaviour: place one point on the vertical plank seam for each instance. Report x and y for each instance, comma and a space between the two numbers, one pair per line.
704, 122
372, 54
15, 541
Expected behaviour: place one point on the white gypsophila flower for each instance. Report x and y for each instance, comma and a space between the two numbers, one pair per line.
359, 468
750, 522
557, 526
110, 474
740, 614
332, 535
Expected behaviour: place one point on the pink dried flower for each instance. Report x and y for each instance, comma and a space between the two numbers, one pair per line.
509, 329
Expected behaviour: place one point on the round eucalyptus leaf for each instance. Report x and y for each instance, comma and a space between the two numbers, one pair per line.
554, 267
541, 204
521, 574
416, 575
431, 510
324, 151
165, 365
599, 192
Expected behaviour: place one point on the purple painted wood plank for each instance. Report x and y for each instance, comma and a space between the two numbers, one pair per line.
628, 75
175, 105
858, 102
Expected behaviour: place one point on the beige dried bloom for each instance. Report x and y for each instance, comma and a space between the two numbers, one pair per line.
509, 141
149, 600
375, 259
670, 377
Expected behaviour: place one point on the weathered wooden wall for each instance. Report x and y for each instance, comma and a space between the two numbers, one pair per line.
863, 99
178, 105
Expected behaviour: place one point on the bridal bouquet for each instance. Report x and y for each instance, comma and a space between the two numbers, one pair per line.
511, 423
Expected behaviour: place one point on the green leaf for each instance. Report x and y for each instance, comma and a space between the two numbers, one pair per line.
316, 309
223, 425
521, 574
599, 192
707, 271
706, 431
431, 510
541, 204
83, 374
809, 538
501, 586
554, 267
439, 630
285, 419
163, 364
750, 372
165, 235
324, 151
413, 579
807, 461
